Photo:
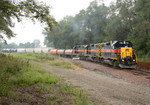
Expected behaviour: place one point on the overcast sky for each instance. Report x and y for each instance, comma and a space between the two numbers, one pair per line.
27, 31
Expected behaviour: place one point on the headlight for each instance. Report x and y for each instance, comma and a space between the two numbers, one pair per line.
133, 60
122, 60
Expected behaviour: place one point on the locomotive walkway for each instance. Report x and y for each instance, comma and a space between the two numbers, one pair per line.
108, 88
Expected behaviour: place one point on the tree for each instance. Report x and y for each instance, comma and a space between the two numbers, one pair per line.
11, 45
121, 20
27, 8
36, 43
141, 30
27, 45
64, 36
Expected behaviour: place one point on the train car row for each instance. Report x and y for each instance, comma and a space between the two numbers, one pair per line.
63, 52
26, 50
116, 53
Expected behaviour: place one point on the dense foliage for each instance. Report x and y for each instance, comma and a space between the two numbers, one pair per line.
123, 20
12, 9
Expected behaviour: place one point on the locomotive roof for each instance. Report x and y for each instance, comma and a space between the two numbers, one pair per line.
110, 43
114, 42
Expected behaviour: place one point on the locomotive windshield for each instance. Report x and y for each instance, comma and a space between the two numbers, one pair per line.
120, 44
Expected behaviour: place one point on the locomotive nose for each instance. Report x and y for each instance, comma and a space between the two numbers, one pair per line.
126, 53
127, 56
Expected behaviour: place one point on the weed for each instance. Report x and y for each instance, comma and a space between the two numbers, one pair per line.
65, 88
43, 88
82, 99
79, 96
23, 98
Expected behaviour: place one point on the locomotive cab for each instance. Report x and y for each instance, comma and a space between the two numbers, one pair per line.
126, 56
79, 51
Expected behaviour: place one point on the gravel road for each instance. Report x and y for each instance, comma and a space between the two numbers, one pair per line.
107, 85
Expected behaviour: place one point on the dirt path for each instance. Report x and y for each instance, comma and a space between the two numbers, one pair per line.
105, 87
125, 74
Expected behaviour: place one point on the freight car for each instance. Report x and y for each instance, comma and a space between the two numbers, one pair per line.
54, 51
61, 52
21, 50
9, 50
26, 50
69, 53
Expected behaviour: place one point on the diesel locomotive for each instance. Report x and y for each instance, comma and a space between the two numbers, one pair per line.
116, 53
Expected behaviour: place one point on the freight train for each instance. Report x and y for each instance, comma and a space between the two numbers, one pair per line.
116, 53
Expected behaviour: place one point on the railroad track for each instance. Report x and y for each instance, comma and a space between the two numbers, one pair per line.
139, 72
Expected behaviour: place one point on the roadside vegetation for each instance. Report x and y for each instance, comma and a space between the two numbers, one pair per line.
144, 63
22, 82
52, 60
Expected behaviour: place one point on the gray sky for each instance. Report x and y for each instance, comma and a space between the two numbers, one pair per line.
27, 31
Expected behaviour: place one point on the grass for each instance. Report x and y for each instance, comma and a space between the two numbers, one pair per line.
43, 88
25, 56
61, 63
15, 71
58, 91
81, 95
46, 58
35, 75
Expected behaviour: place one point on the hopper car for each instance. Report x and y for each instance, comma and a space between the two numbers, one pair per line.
26, 50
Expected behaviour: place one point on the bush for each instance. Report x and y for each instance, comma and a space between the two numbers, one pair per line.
35, 75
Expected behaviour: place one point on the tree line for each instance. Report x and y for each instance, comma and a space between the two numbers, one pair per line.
34, 44
122, 20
